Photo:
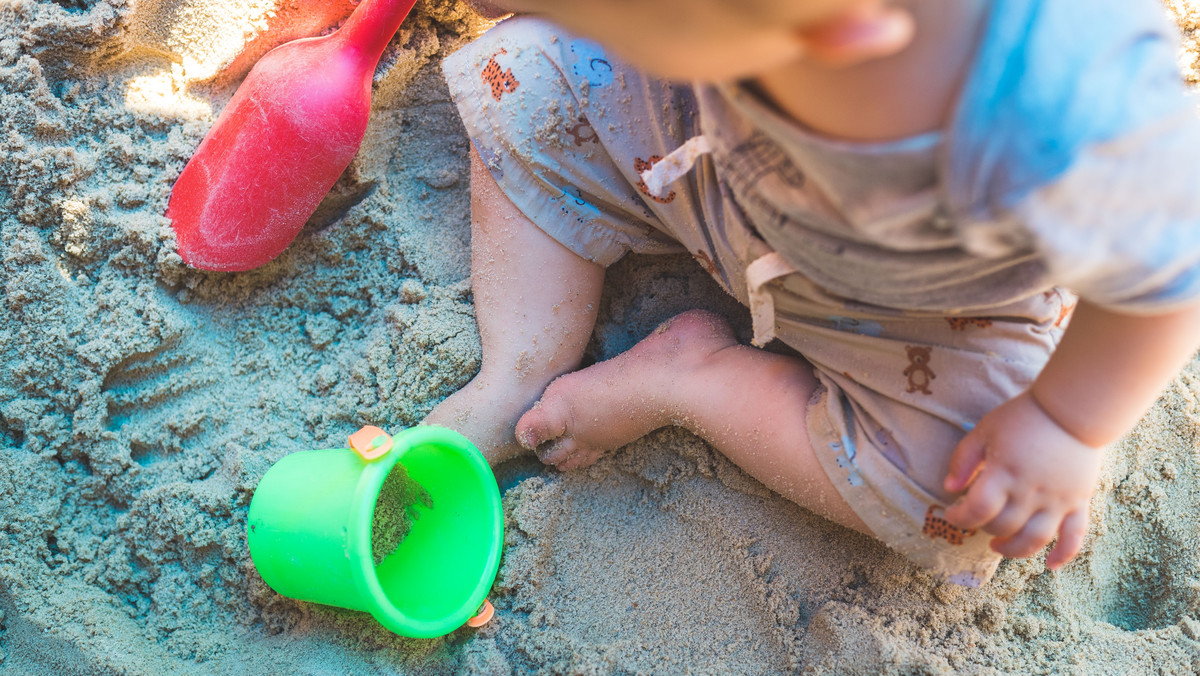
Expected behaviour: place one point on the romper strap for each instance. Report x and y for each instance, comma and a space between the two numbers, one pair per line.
761, 272
677, 163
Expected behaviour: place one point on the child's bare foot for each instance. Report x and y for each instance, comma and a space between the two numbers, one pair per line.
583, 415
485, 411
535, 302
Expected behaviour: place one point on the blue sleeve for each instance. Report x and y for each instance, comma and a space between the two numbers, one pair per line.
1050, 79
1121, 227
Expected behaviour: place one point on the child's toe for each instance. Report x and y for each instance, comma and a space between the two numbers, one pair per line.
556, 452
540, 424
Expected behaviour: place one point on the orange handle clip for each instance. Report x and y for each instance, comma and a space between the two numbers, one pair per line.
486, 611
371, 442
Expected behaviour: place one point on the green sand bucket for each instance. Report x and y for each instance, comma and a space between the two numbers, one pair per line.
309, 530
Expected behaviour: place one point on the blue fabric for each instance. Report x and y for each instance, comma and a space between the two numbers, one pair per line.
1050, 78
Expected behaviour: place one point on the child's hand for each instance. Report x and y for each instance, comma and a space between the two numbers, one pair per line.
1028, 479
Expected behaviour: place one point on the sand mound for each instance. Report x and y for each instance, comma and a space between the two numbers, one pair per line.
140, 402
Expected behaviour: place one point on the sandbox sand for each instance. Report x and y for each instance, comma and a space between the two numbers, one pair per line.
141, 401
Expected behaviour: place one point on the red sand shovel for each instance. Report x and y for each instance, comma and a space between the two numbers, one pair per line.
282, 142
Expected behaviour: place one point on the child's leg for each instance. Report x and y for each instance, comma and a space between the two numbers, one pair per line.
535, 302
749, 404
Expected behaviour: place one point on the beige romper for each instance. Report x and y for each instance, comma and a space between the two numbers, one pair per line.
842, 250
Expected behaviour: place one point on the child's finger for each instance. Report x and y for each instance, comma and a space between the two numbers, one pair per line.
1070, 539
1037, 533
965, 462
1009, 522
986, 497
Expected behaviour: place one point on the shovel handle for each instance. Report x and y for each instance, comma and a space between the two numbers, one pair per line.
372, 25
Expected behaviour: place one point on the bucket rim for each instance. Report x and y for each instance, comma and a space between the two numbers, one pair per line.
367, 491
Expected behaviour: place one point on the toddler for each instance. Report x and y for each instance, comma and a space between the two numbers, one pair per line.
909, 194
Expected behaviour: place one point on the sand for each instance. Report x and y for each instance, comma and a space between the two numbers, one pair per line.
141, 401
398, 506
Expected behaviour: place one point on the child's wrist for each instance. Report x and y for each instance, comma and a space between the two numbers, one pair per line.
1046, 403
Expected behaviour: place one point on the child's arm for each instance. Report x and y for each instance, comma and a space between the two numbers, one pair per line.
1032, 464
535, 302
1110, 367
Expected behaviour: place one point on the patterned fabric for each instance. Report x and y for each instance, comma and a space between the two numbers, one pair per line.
540, 140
